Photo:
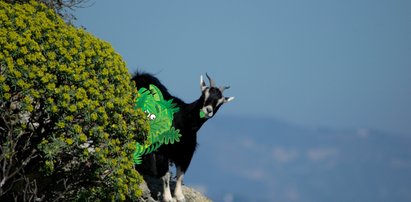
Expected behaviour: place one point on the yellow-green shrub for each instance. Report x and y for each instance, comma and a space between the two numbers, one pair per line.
68, 125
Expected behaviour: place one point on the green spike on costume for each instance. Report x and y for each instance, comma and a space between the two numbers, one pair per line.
161, 113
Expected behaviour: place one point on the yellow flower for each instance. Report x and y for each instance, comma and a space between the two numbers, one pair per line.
10, 63
6, 88
80, 105
35, 93
82, 137
69, 118
106, 136
66, 96
16, 73
20, 61
44, 79
51, 86
27, 100
54, 109
76, 77
21, 83
51, 55
77, 128
32, 75
30, 108
50, 100
7, 96
24, 50
72, 108
20, 23
94, 116
122, 197
40, 73
109, 105
64, 104
61, 124
101, 110
69, 141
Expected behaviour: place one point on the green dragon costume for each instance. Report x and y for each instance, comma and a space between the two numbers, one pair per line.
160, 112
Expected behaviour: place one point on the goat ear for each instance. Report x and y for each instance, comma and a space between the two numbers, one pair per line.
228, 99
202, 83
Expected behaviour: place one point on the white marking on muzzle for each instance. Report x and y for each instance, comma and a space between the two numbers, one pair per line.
208, 111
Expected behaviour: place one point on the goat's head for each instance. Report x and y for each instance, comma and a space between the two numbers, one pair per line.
213, 97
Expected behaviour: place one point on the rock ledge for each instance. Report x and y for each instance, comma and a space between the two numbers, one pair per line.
152, 188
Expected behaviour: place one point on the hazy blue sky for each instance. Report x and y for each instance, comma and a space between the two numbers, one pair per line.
321, 63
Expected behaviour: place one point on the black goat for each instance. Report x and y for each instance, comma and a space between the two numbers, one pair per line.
188, 121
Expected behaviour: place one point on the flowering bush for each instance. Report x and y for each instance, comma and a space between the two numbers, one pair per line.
67, 122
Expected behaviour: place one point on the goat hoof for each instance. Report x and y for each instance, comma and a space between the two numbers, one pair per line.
178, 194
167, 198
181, 199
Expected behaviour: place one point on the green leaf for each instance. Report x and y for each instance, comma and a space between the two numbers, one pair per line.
158, 96
202, 114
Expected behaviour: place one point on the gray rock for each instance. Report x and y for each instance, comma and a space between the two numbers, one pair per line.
152, 189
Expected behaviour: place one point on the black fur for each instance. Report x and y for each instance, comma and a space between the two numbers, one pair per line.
187, 120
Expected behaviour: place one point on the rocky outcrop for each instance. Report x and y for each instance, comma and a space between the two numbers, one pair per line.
152, 188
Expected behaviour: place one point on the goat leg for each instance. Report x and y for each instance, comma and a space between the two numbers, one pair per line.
178, 192
166, 188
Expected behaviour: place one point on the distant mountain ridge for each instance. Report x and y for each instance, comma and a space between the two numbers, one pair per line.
263, 159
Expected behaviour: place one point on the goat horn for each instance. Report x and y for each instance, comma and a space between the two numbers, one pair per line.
212, 83
202, 83
224, 88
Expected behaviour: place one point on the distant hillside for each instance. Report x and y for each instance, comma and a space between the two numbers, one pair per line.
259, 159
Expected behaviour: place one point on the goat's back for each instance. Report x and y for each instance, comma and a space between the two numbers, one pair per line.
143, 80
